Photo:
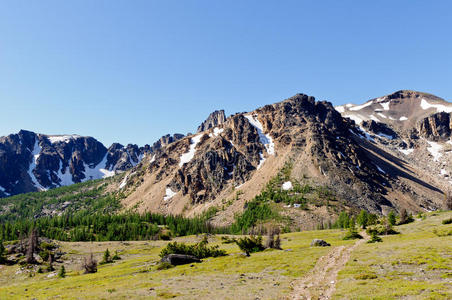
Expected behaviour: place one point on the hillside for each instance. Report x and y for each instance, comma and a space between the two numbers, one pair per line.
415, 264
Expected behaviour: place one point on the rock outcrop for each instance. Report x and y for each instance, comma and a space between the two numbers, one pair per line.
436, 126
216, 118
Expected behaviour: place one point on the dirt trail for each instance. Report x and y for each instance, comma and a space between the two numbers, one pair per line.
320, 282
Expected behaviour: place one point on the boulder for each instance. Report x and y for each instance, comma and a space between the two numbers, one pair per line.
319, 243
180, 259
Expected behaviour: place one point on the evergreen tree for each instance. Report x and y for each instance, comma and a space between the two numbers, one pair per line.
362, 219
391, 218
2, 252
62, 272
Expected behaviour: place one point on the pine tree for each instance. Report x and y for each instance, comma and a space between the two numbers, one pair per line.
391, 218
2, 252
62, 272
107, 257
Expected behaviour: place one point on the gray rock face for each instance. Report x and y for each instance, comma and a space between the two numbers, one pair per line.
31, 162
379, 128
180, 259
216, 118
319, 243
436, 126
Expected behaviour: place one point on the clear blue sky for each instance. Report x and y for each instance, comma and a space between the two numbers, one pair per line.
131, 71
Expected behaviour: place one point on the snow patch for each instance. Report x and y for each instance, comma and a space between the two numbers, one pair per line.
372, 117
62, 138
382, 115
443, 172
439, 107
340, 108
406, 151
287, 185
355, 118
152, 159
186, 157
359, 107
169, 194
403, 118
385, 105
266, 139
435, 149
349, 105
66, 177
35, 155
216, 131
98, 171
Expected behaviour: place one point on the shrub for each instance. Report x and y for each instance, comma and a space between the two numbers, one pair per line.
227, 240
444, 232
107, 258
405, 218
365, 276
250, 244
164, 236
383, 229
2, 252
164, 266
199, 250
445, 222
352, 235
62, 272
116, 256
374, 238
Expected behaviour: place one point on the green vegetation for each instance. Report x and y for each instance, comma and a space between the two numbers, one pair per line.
100, 227
415, 264
62, 272
2, 252
447, 221
250, 244
392, 218
82, 198
199, 250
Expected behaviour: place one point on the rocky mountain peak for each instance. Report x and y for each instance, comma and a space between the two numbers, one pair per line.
216, 118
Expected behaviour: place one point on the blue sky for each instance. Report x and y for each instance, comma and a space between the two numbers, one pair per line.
131, 71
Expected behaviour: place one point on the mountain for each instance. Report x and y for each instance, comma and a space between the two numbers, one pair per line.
307, 159
230, 162
33, 162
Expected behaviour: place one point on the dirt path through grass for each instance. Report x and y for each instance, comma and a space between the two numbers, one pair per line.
320, 283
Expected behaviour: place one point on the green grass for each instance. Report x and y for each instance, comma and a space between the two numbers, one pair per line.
413, 264
267, 273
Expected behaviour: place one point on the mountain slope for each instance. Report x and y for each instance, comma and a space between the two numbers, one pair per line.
236, 159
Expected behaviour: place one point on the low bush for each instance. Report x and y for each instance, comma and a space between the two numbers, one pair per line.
250, 244
164, 266
352, 235
365, 276
199, 250
447, 221
374, 238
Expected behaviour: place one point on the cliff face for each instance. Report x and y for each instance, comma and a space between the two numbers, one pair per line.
216, 118
32, 162
436, 126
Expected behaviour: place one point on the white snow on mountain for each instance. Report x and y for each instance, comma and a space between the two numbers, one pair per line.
403, 118
62, 138
340, 108
265, 139
385, 105
98, 171
439, 107
66, 177
186, 157
169, 194
287, 185
35, 155
359, 107
435, 149
406, 151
